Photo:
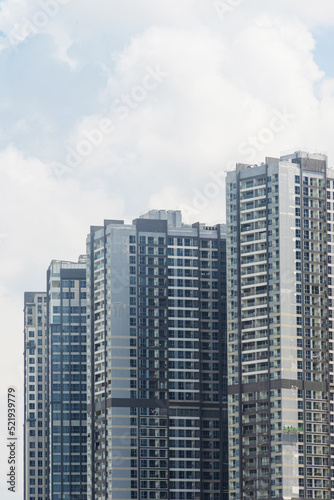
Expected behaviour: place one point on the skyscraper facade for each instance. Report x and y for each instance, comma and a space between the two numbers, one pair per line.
156, 311
67, 385
35, 400
280, 349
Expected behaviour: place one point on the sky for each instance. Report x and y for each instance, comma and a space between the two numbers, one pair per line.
109, 109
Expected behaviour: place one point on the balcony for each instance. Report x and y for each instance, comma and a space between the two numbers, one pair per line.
253, 237
254, 291
254, 335
253, 216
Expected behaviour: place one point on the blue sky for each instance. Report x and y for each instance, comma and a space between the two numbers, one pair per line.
108, 109
323, 52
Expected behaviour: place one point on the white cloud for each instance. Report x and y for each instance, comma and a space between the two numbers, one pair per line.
225, 81
42, 213
208, 105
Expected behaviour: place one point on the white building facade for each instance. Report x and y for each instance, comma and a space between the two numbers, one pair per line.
279, 234
35, 397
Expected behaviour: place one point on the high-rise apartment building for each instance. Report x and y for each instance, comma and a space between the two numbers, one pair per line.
67, 384
35, 401
280, 330
156, 312
55, 390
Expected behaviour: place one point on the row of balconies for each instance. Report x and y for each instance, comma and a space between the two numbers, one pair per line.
253, 216
254, 259
253, 292
255, 356
250, 184
258, 334
253, 226
255, 248
255, 269
258, 236
251, 205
